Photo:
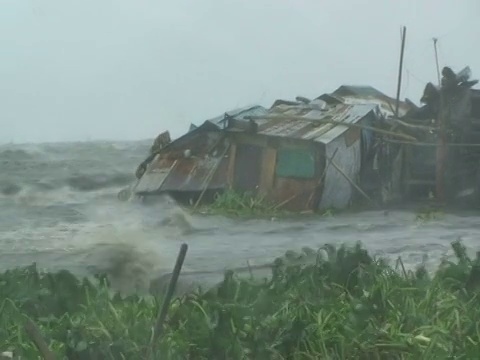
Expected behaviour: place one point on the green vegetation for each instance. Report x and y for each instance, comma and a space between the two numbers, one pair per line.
428, 214
346, 305
242, 205
232, 203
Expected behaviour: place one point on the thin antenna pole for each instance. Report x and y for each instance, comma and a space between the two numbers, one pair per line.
436, 59
400, 69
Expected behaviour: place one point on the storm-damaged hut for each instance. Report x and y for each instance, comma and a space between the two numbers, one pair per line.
300, 155
190, 160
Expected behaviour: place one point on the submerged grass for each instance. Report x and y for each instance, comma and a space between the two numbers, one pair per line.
347, 305
236, 204
428, 214
242, 205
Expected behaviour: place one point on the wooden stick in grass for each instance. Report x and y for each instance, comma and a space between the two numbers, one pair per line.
321, 178
358, 188
36, 336
157, 331
400, 261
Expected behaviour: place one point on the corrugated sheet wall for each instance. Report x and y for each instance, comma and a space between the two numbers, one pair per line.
337, 191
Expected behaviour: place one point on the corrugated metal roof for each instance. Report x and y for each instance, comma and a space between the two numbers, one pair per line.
358, 90
309, 128
352, 94
240, 113
185, 174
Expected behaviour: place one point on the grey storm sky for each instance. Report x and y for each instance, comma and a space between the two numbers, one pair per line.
129, 69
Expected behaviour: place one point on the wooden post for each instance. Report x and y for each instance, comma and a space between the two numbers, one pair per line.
400, 69
37, 338
436, 60
210, 176
441, 153
157, 331
352, 182
321, 179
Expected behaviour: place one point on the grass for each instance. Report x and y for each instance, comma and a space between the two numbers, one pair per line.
237, 204
428, 214
347, 305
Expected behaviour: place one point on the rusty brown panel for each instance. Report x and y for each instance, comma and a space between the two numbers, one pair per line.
351, 136
180, 174
294, 194
248, 167
193, 175
252, 139
268, 170
162, 163
219, 179
231, 164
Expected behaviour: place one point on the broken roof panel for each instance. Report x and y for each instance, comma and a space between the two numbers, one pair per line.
239, 114
310, 126
358, 90
350, 94
194, 174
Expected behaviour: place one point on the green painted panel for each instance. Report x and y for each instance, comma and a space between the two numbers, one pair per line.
296, 163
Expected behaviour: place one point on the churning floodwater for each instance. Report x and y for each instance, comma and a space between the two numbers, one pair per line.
59, 208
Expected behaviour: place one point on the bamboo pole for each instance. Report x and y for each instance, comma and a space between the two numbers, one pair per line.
37, 338
432, 144
157, 331
284, 202
400, 69
352, 183
441, 155
328, 121
320, 180
435, 40
413, 126
209, 178
442, 138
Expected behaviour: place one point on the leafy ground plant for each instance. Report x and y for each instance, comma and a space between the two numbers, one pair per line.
242, 204
246, 205
343, 305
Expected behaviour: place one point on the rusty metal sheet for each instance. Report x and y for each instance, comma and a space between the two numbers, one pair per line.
293, 194
152, 180
268, 169
248, 166
310, 129
193, 174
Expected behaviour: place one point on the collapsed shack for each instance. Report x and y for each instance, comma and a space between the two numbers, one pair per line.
299, 155
444, 162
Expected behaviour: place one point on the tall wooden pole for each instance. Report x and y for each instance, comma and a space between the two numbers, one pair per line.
436, 59
400, 69
441, 149
441, 153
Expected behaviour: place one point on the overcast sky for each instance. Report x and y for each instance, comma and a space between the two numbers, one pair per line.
129, 69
